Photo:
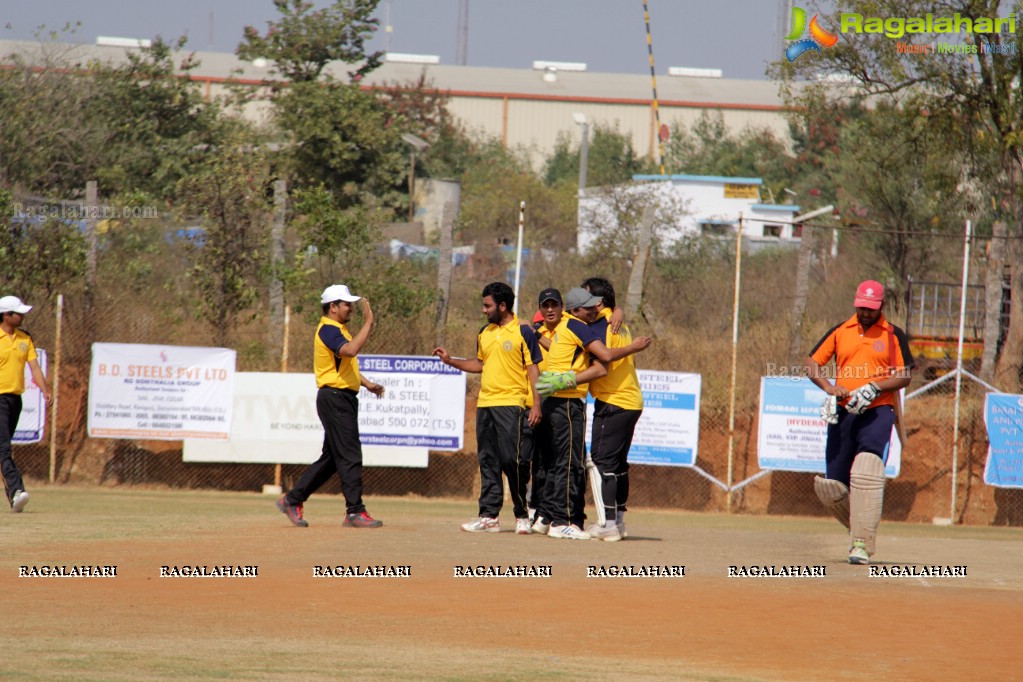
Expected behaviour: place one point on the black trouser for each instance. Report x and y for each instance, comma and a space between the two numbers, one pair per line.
504, 443
338, 410
10, 412
613, 428
564, 490
543, 459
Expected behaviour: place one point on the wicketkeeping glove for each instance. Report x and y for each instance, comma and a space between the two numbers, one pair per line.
829, 410
550, 383
862, 397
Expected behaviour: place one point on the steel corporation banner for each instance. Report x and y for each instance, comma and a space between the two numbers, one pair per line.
424, 405
33, 407
275, 418
160, 392
791, 435
668, 432
1003, 417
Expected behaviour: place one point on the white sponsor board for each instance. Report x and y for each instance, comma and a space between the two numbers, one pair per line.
160, 392
668, 432
424, 405
792, 435
32, 422
275, 418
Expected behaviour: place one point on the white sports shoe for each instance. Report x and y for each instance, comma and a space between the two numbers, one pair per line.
621, 530
482, 525
606, 534
858, 553
539, 527
523, 527
570, 532
18, 501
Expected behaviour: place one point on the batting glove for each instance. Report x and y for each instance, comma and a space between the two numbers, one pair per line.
861, 398
550, 383
829, 410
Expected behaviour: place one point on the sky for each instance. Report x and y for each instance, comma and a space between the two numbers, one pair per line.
739, 37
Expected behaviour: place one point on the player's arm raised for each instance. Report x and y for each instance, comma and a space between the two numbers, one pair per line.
352, 348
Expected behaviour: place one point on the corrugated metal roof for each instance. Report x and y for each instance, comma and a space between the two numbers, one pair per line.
462, 80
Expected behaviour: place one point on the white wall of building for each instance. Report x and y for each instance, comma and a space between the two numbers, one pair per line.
691, 205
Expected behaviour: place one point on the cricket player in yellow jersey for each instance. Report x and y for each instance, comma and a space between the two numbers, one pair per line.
569, 365
336, 366
506, 357
552, 308
618, 404
16, 351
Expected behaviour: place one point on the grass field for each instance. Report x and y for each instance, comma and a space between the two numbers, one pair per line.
287, 624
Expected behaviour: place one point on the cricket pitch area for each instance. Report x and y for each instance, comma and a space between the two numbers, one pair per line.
284, 623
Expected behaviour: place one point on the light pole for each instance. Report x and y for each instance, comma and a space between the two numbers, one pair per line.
584, 150
418, 144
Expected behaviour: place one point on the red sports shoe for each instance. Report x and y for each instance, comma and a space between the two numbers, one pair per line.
292, 511
361, 520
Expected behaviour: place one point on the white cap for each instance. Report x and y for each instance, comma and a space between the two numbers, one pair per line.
338, 292
13, 304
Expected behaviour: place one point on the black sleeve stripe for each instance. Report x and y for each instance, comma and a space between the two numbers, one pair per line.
531, 344
907, 354
823, 339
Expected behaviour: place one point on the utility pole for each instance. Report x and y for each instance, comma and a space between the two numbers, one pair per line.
462, 58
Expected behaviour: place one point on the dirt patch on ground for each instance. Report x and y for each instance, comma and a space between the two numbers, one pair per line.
287, 623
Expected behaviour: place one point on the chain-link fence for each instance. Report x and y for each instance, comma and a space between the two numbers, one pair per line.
693, 315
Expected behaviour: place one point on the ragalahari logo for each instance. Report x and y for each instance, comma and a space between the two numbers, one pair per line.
818, 36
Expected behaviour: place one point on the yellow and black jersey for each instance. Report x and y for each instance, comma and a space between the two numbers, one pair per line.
568, 351
16, 350
506, 351
621, 385
332, 370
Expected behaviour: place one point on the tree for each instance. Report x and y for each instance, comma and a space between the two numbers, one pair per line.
611, 159
344, 139
419, 108
42, 255
129, 126
979, 93
614, 219
899, 188
340, 239
304, 40
495, 181
709, 148
230, 192
155, 116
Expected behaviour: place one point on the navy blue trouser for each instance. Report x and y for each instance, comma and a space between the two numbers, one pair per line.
856, 433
